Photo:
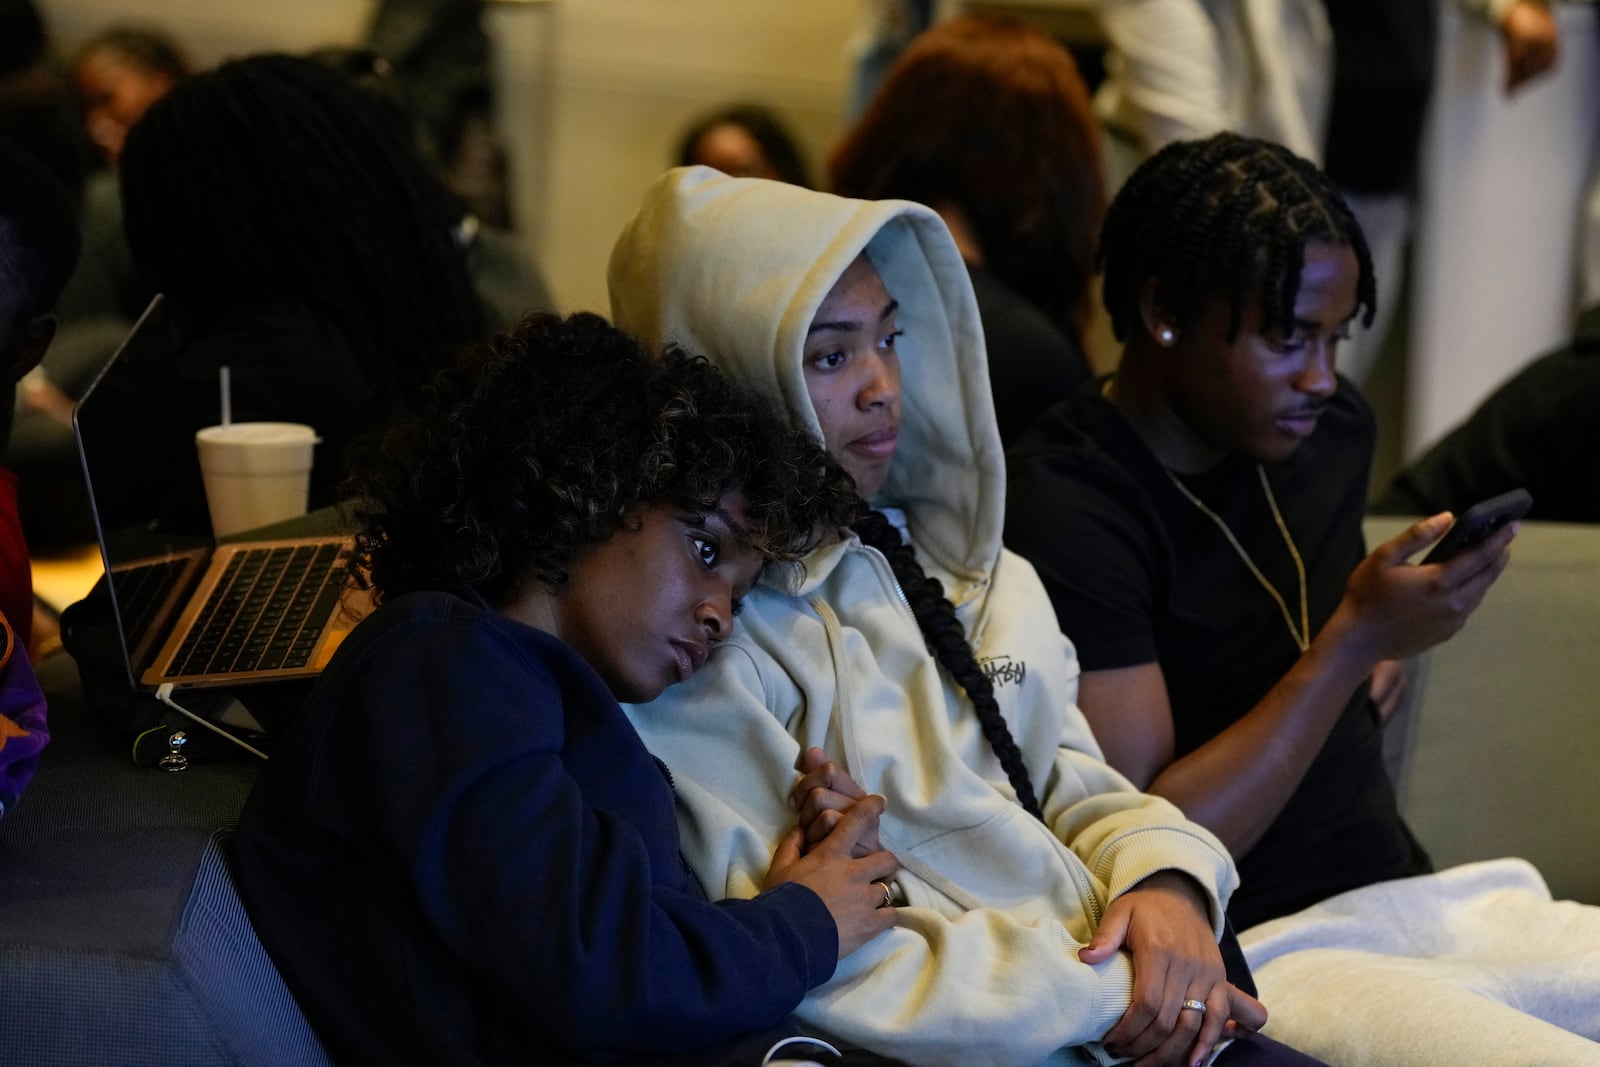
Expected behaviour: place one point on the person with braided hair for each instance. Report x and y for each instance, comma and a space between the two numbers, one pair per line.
1196, 519
1049, 912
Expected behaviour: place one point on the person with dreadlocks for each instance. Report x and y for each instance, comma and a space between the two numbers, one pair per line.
1050, 911
462, 853
301, 241
1196, 519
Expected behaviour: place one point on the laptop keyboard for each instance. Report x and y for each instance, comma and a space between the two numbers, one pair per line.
266, 613
140, 591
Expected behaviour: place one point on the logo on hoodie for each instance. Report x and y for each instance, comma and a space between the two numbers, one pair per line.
1003, 670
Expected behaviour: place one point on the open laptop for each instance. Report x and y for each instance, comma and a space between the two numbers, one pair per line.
190, 611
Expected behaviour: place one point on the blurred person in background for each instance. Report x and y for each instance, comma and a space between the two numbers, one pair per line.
986, 120
745, 141
120, 72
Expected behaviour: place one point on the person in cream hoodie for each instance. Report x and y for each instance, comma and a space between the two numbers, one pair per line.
1049, 912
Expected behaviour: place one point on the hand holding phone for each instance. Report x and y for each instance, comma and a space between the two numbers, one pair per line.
1478, 522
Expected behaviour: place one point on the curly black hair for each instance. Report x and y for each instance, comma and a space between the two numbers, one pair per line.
545, 441
1225, 216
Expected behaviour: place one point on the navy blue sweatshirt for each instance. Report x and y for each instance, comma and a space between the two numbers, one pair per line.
462, 853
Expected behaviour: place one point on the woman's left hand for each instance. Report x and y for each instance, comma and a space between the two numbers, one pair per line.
1163, 924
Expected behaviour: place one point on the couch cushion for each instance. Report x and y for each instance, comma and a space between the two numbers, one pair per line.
1503, 757
122, 940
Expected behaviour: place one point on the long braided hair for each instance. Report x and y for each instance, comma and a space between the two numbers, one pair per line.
936, 618
275, 176
1230, 215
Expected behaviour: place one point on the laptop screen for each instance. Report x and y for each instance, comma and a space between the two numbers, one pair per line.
143, 478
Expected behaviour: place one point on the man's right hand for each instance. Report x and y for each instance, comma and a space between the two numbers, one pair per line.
1395, 609
853, 888
1531, 39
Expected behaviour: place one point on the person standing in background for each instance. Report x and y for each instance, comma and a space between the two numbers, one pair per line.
440, 53
1343, 83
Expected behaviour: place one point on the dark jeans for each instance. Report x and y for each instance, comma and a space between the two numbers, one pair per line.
1259, 1050
1253, 1050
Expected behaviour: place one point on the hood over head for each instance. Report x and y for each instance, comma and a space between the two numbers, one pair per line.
735, 268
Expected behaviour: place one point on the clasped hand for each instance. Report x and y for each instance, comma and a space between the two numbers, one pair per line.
841, 861
1162, 923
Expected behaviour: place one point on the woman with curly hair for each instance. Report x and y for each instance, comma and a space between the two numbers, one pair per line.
986, 119
462, 851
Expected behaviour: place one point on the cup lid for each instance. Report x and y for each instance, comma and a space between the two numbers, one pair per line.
253, 433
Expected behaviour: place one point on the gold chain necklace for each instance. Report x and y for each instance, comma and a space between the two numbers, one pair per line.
1302, 636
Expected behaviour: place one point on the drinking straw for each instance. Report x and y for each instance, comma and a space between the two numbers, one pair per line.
227, 396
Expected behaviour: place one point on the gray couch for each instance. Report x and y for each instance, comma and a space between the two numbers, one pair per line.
123, 942
1499, 754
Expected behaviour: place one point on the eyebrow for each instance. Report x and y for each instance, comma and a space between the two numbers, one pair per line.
888, 312
1316, 324
740, 534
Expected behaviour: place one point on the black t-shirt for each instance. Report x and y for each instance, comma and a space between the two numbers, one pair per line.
1138, 575
1032, 363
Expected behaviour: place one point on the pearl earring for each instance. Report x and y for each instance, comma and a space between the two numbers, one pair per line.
1166, 335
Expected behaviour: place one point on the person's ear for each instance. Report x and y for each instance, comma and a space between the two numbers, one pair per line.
31, 344
1159, 324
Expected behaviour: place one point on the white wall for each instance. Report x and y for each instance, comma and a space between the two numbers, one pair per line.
594, 92
211, 30
629, 74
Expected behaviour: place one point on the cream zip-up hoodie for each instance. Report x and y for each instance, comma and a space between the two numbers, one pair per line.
981, 966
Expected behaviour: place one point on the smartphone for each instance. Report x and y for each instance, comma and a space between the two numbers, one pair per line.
1478, 522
